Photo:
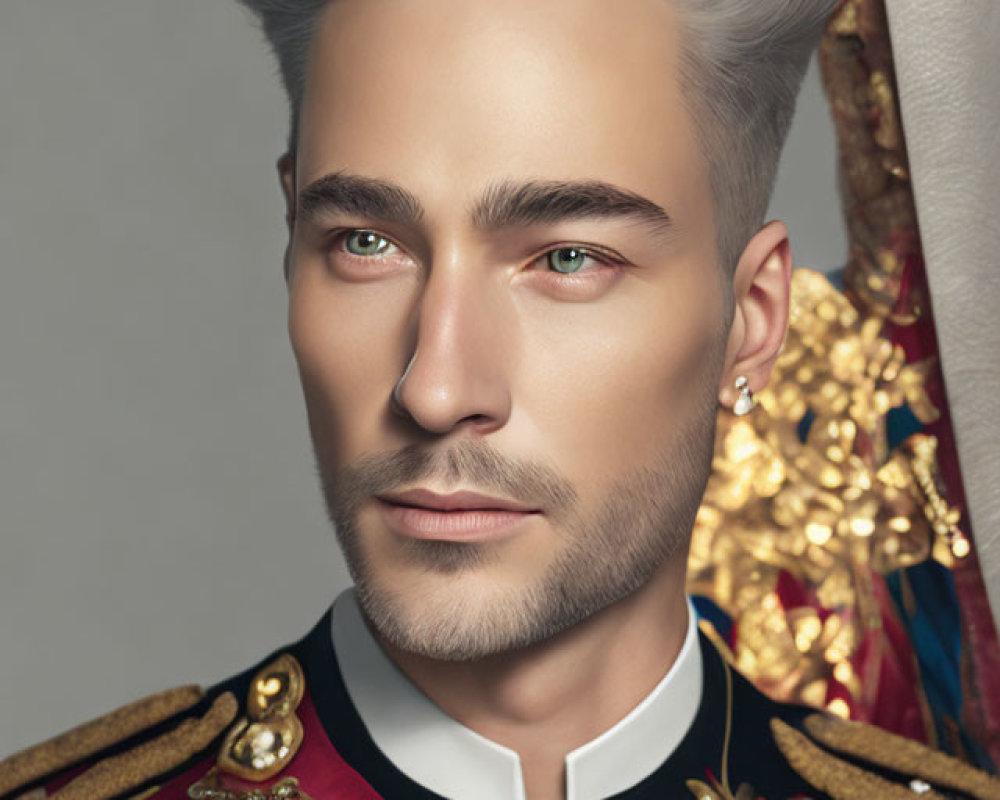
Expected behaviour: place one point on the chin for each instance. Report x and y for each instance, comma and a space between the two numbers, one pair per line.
468, 617
449, 618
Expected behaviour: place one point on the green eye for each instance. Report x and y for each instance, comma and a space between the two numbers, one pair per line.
365, 243
567, 259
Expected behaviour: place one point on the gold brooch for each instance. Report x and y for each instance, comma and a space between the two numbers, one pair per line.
262, 743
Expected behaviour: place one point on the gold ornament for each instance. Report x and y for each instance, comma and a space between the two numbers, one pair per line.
829, 510
212, 787
263, 743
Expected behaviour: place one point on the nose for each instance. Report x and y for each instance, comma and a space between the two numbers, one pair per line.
457, 370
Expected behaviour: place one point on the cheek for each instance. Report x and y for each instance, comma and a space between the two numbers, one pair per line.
344, 346
628, 379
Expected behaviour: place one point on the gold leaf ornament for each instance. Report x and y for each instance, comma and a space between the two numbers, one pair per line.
827, 510
213, 787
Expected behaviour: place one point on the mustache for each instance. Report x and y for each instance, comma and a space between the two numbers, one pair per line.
471, 464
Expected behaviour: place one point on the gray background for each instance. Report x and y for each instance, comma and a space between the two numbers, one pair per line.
159, 511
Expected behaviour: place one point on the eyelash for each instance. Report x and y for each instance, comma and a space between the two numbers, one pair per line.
605, 259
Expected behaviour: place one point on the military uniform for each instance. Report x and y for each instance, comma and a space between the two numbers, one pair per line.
330, 717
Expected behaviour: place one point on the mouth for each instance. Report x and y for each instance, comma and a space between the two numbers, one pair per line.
457, 517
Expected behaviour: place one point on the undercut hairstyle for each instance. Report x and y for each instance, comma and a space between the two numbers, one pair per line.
741, 68
742, 64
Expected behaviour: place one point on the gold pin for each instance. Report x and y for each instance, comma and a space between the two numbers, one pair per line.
263, 743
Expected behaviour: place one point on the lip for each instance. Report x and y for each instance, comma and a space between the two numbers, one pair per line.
457, 517
456, 501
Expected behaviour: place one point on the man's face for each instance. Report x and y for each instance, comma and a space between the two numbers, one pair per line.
504, 205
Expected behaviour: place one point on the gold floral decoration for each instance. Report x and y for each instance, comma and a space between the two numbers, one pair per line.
805, 485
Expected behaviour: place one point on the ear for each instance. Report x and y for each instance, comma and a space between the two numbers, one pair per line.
286, 174
760, 310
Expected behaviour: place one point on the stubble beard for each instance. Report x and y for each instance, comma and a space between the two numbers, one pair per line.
644, 519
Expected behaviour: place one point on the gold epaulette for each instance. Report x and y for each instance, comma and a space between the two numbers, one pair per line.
841, 780
128, 769
257, 746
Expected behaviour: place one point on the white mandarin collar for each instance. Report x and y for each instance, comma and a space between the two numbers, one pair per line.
444, 756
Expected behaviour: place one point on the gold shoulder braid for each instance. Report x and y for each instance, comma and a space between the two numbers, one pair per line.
258, 745
83, 741
134, 767
903, 755
842, 780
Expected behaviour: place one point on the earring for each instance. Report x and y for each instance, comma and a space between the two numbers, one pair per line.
744, 403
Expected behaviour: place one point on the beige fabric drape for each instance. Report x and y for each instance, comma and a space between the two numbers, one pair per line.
948, 71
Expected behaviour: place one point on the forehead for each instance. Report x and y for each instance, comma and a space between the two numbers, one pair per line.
443, 94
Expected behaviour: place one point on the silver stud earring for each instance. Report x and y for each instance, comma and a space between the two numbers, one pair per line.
744, 403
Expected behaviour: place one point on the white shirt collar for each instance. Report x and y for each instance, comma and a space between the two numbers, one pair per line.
443, 755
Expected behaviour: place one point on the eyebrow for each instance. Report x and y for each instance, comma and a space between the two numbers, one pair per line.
365, 197
502, 205
510, 204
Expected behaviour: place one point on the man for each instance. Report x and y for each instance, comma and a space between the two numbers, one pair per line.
526, 265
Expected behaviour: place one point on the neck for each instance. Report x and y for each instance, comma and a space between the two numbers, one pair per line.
530, 699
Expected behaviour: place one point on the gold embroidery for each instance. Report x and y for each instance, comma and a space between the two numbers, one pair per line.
845, 20
717, 641
827, 511
703, 791
902, 755
92, 737
839, 779
724, 777
211, 787
719, 790
134, 767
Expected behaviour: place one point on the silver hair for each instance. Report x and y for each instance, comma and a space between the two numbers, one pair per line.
741, 68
